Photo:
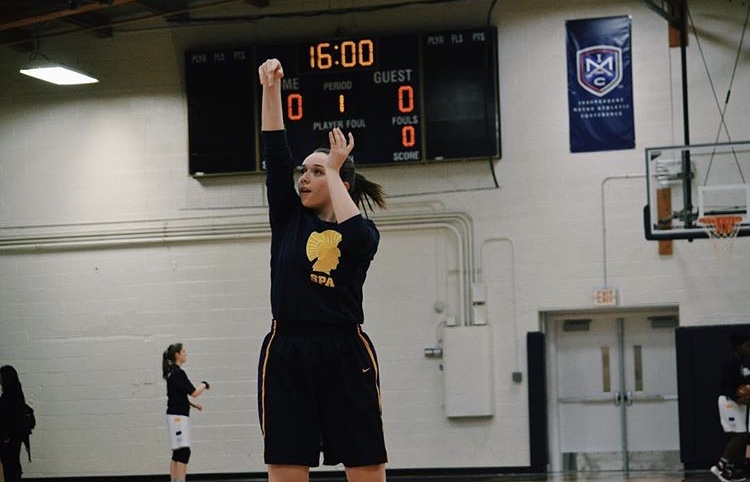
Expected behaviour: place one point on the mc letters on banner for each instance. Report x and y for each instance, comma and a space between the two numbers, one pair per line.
600, 84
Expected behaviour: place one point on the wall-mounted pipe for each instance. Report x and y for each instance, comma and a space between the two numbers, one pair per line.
460, 224
514, 301
212, 228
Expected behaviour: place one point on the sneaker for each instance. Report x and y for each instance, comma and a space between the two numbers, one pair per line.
720, 472
729, 473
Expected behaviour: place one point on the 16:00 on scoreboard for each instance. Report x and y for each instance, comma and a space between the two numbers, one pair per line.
406, 99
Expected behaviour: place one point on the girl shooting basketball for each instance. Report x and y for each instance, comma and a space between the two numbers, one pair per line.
318, 376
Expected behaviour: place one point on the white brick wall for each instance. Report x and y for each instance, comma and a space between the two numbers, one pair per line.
86, 324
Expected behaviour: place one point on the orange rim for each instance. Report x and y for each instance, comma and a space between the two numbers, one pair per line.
722, 225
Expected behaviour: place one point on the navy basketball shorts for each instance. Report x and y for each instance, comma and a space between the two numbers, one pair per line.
319, 391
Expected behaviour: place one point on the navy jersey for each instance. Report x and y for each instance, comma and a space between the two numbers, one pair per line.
735, 373
12, 420
317, 268
178, 389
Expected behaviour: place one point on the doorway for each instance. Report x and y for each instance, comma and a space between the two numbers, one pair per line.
613, 390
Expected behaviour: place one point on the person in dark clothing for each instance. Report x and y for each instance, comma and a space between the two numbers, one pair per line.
733, 411
179, 388
318, 375
13, 427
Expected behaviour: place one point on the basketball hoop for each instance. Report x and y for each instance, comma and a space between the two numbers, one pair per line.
722, 231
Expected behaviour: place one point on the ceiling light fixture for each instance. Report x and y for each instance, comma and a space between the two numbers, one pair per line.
42, 68
57, 74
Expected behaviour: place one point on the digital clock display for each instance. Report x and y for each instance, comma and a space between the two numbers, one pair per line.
406, 99
340, 55
379, 102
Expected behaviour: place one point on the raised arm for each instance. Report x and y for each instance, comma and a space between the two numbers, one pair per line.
344, 206
270, 74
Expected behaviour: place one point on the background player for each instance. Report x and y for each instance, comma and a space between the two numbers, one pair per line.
733, 411
179, 388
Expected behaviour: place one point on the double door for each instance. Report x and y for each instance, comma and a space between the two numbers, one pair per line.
615, 386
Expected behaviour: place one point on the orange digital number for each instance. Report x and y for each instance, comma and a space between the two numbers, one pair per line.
405, 99
366, 52
348, 54
294, 109
325, 60
408, 136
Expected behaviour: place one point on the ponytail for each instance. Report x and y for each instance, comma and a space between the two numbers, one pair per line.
168, 359
362, 190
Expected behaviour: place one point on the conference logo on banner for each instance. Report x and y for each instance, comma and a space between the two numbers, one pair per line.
599, 69
600, 87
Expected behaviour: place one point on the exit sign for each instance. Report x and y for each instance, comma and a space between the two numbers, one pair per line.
605, 297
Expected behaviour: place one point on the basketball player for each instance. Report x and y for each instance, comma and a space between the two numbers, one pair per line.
13, 427
318, 376
178, 408
733, 412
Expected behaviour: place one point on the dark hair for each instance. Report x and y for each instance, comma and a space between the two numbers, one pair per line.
168, 359
10, 381
361, 189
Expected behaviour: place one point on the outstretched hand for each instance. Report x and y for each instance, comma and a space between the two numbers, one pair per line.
340, 148
269, 72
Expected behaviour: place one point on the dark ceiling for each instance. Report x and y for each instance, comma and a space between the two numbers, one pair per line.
22, 22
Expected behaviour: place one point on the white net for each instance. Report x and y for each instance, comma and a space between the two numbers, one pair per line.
722, 231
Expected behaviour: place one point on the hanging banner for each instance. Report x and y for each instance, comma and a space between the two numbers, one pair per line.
600, 84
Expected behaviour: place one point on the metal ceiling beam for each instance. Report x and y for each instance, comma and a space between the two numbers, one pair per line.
162, 7
93, 23
13, 40
61, 14
181, 7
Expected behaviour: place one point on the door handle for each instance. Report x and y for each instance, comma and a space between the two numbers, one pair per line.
629, 395
617, 398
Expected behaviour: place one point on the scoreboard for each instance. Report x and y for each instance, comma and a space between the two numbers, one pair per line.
406, 98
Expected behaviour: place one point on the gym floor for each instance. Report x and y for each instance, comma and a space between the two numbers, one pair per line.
645, 476
635, 476
693, 476
697, 476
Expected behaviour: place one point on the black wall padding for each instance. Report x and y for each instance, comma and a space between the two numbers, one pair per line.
537, 383
701, 351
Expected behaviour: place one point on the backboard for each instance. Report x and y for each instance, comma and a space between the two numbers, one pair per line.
687, 184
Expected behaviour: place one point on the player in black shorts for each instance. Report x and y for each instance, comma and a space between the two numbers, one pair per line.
318, 375
733, 411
